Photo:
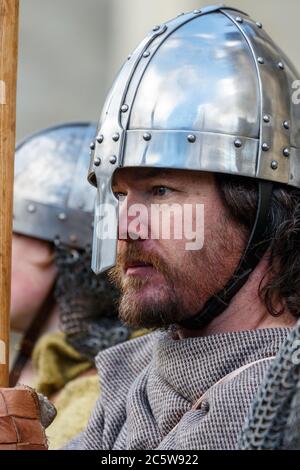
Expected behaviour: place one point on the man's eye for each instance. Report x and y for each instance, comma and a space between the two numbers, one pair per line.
120, 196
160, 191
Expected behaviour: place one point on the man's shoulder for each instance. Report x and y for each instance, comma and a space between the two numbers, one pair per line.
230, 399
218, 416
244, 380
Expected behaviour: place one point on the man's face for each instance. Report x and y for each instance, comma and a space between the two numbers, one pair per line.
162, 279
33, 274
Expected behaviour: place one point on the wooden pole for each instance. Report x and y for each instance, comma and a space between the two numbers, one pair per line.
9, 12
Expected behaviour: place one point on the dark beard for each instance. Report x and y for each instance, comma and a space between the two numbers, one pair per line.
159, 312
149, 313
188, 285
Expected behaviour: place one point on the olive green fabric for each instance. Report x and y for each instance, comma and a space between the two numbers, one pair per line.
74, 405
59, 368
56, 363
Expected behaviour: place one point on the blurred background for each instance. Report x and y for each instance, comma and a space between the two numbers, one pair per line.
70, 50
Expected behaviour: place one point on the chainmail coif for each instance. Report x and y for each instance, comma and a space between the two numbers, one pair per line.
274, 418
87, 304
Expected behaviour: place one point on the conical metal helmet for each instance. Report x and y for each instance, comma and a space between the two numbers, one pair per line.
209, 91
52, 199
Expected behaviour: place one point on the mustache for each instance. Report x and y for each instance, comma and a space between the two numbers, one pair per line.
134, 253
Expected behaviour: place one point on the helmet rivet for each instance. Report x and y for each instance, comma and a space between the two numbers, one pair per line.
196, 12
146, 54
265, 147
266, 118
280, 65
274, 165
286, 152
92, 145
100, 139
180, 14
56, 240
129, 57
113, 159
97, 161
62, 216
260, 60
73, 238
31, 208
191, 138
147, 136
286, 124
156, 28
124, 108
116, 137
239, 19
238, 143
259, 24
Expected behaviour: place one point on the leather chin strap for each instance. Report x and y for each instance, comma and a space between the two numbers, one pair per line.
255, 250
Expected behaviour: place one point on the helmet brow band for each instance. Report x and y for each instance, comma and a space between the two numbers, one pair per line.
256, 248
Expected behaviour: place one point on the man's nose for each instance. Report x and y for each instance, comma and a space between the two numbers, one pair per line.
133, 220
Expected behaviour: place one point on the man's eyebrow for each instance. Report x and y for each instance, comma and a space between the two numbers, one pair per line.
154, 173
148, 174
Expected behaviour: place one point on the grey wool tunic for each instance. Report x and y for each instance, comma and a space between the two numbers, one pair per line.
148, 386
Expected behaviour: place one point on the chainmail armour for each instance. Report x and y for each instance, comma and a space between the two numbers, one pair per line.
87, 304
274, 418
149, 385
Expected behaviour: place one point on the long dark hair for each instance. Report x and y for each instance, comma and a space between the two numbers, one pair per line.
282, 233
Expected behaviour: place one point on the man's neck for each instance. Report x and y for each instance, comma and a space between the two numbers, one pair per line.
246, 311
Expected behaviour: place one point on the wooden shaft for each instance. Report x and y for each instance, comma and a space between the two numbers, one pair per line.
9, 10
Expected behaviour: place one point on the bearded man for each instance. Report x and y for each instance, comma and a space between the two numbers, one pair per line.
200, 115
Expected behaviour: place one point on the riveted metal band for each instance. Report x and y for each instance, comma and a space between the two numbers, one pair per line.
71, 227
208, 151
